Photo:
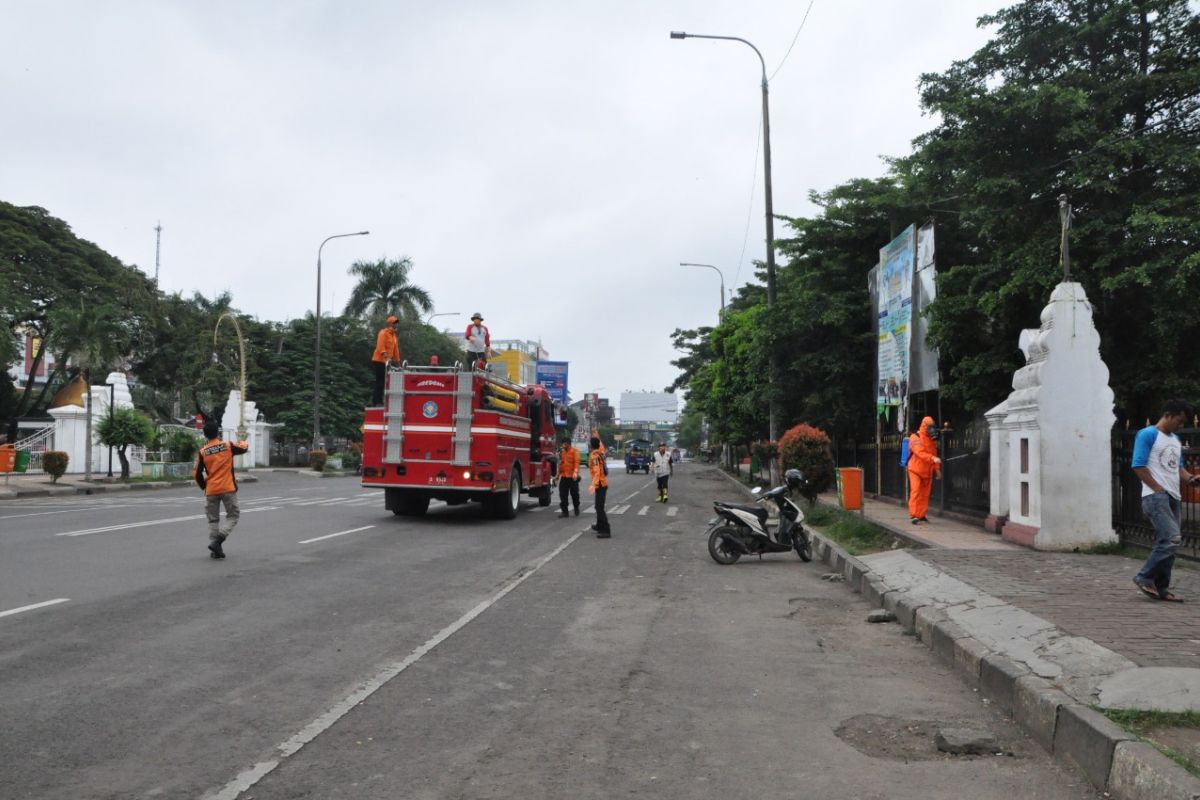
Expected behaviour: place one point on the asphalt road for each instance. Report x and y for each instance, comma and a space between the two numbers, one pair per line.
341, 652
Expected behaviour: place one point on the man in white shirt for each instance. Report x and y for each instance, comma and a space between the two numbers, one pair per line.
1158, 462
660, 462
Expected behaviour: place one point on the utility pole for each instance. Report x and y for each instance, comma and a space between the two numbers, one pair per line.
157, 248
1064, 217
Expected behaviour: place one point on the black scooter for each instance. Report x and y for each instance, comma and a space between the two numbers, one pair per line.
742, 530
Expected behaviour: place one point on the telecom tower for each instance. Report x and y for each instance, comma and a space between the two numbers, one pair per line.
157, 248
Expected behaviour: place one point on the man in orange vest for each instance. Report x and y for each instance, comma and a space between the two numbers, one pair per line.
214, 474
387, 349
598, 466
568, 477
923, 466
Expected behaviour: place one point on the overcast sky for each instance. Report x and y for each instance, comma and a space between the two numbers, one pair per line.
547, 163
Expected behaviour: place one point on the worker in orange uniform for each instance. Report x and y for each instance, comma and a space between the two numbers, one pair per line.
387, 350
568, 477
923, 466
214, 474
598, 466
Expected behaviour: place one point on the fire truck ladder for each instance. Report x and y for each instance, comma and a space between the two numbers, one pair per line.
464, 389
393, 417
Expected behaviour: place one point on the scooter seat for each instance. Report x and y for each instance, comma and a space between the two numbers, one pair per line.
757, 511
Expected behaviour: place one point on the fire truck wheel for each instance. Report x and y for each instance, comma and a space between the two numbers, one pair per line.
543, 496
411, 505
504, 505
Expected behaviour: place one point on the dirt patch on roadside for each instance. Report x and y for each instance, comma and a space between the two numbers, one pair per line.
907, 740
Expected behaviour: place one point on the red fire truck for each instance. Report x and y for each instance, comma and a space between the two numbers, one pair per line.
458, 435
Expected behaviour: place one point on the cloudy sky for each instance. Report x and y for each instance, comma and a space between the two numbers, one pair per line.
545, 162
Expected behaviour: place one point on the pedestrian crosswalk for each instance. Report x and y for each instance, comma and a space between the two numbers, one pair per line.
622, 508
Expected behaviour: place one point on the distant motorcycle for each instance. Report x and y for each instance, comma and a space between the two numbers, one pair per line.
742, 530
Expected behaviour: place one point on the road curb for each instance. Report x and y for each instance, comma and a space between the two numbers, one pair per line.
70, 490
1111, 758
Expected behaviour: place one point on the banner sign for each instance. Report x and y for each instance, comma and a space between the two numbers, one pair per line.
923, 375
553, 376
894, 317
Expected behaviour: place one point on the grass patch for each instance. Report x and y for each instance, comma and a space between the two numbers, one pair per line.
854, 534
1142, 723
1113, 549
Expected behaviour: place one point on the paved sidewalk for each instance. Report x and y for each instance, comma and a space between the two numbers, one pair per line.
1048, 637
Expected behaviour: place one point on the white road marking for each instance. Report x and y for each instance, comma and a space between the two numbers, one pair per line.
342, 533
619, 510
312, 730
12, 611
145, 523
590, 510
672, 510
642, 512
64, 511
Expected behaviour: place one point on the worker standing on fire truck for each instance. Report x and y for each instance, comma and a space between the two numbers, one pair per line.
387, 349
568, 477
598, 466
479, 340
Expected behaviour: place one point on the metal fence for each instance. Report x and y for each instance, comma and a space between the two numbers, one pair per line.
963, 489
1128, 521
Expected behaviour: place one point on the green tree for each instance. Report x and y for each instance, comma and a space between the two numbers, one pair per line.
125, 427
45, 269
1098, 101
384, 288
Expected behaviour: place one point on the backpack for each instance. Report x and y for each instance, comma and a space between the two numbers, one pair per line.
904, 452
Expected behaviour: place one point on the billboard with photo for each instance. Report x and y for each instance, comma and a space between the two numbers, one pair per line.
553, 376
923, 374
894, 308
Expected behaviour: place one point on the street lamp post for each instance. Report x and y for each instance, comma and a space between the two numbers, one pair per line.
442, 314
317, 356
770, 211
112, 387
722, 274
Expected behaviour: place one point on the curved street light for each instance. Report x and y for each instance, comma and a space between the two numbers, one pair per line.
241, 429
442, 314
770, 211
722, 274
317, 357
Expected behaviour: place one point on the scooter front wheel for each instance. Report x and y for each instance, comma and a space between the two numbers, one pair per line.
802, 543
720, 548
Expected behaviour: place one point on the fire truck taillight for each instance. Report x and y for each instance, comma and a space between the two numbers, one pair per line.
466, 475
370, 472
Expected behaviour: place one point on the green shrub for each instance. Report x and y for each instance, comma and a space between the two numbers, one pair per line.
55, 463
316, 459
351, 459
808, 449
182, 445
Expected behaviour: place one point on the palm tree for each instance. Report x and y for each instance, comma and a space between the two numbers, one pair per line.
383, 289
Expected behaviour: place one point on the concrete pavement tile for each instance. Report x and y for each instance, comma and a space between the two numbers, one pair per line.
924, 620
906, 612
969, 653
998, 678
1087, 739
1035, 707
1157, 688
941, 640
1139, 772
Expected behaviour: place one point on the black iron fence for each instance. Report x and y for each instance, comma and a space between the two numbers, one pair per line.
1128, 521
964, 488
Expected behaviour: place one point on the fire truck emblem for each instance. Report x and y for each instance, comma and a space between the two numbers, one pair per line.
429, 409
